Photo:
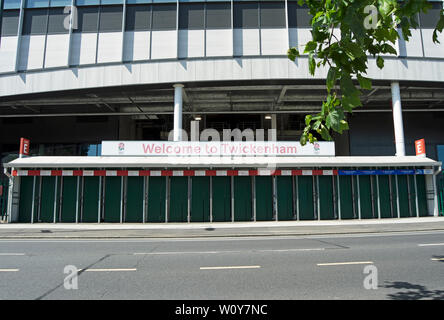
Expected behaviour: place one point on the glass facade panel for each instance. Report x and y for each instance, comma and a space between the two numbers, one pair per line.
34, 21
191, 16
10, 20
111, 19
218, 15
164, 16
138, 18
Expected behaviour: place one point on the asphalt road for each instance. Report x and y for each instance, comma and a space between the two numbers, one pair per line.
408, 265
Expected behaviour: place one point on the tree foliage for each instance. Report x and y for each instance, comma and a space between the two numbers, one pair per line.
344, 34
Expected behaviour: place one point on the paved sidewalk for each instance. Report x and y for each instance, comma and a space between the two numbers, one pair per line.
221, 229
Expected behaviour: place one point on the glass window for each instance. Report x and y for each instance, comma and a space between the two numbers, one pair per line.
138, 1
59, 3
138, 18
191, 16
34, 21
11, 4
303, 17
218, 15
430, 19
273, 14
106, 2
10, 22
164, 16
37, 3
87, 2
87, 19
111, 19
56, 21
246, 15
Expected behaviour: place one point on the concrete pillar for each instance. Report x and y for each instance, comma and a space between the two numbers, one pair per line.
397, 120
178, 112
273, 135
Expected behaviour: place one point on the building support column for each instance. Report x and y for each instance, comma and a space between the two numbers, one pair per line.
178, 112
397, 120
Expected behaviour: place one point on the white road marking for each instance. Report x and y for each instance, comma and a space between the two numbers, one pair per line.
430, 244
344, 263
230, 267
108, 270
9, 270
12, 254
437, 259
228, 251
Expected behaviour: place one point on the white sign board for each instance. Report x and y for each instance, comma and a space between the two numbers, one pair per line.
216, 148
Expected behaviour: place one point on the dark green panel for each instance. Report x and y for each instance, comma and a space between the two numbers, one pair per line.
178, 199
25, 204
4, 197
394, 197
156, 199
69, 199
90, 199
242, 199
403, 196
365, 194
264, 198
422, 195
113, 191
412, 199
285, 197
384, 197
134, 199
305, 194
346, 197
200, 199
47, 199
221, 198
326, 198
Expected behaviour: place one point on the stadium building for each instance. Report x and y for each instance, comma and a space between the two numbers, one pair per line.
74, 73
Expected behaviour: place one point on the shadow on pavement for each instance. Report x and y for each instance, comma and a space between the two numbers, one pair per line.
410, 291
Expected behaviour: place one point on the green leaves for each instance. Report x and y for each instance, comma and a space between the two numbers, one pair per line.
341, 43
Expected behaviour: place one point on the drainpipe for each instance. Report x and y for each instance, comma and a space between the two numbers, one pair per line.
397, 119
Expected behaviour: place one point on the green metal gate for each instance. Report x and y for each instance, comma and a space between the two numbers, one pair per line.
440, 186
305, 196
326, 204
422, 195
90, 201
285, 197
26, 197
365, 196
345, 197
69, 199
47, 199
264, 198
403, 192
385, 206
200, 199
4, 183
113, 191
156, 199
221, 198
134, 199
178, 208
242, 199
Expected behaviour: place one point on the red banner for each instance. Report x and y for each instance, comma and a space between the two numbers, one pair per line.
420, 147
24, 147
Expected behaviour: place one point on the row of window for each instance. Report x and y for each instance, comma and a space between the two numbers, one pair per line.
197, 16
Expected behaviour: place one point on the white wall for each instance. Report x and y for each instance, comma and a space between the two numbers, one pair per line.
56, 50
274, 41
246, 42
219, 43
191, 43
109, 47
32, 49
432, 50
164, 44
83, 48
411, 48
136, 45
8, 51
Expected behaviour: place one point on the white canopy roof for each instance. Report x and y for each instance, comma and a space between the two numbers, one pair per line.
223, 162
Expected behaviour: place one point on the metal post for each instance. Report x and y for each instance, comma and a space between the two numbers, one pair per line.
178, 112
232, 199
318, 200
435, 196
211, 199
335, 209
145, 196
391, 196
121, 200
359, 197
416, 197
189, 199
275, 198
33, 199
339, 197
397, 119
353, 196
77, 200
55, 200
296, 183
99, 209
167, 198
253, 189
409, 195
397, 196
379, 198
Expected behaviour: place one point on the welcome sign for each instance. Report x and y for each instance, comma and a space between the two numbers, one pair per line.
216, 148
